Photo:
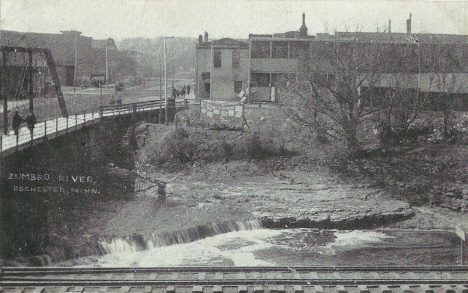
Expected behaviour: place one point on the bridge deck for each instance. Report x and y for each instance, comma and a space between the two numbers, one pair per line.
237, 279
53, 128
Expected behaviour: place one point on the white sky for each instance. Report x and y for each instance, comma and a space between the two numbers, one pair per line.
226, 18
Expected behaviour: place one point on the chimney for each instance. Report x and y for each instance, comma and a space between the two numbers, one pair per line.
206, 37
303, 18
408, 25
200, 39
389, 26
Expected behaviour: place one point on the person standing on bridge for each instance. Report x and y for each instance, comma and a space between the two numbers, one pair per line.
188, 90
31, 122
16, 123
174, 92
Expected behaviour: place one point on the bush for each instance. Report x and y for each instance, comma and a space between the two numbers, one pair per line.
261, 146
178, 146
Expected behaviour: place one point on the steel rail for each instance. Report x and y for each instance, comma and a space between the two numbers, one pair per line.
71, 270
230, 282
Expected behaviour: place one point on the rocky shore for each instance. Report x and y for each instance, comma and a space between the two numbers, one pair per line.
232, 192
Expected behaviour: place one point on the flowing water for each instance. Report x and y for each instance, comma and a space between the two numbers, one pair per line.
294, 247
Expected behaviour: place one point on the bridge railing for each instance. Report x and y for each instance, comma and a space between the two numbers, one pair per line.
46, 129
132, 108
57, 126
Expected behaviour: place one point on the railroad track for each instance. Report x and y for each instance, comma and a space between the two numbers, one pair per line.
237, 279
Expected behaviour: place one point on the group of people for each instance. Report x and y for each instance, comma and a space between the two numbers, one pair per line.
17, 120
176, 93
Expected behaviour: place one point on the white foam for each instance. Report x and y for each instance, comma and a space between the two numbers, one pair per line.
348, 240
202, 252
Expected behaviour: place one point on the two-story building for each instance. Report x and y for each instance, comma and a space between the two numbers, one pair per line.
222, 69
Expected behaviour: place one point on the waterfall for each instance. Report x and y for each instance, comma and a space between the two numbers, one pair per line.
133, 243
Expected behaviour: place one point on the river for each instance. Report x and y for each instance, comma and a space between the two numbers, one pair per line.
294, 247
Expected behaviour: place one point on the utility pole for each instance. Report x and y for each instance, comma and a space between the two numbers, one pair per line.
74, 74
107, 69
160, 94
166, 115
165, 85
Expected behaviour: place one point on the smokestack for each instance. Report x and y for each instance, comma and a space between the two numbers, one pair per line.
200, 39
389, 26
206, 37
408, 25
303, 18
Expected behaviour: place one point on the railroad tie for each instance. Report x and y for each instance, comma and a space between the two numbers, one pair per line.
427, 289
174, 276
273, 289
76, 289
462, 289
385, 289
38, 290
298, 289
153, 276
217, 289
363, 289
296, 275
318, 289
313, 276
258, 289
281, 289
201, 276
102, 289
125, 289
447, 289
197, 289
170, 289
148, 289
255, 275
341, 289
406, 289
242, 289
218, 276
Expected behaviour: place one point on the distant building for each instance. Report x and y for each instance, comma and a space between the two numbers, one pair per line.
90, 54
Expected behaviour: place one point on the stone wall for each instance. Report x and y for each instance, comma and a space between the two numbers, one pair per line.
230, 114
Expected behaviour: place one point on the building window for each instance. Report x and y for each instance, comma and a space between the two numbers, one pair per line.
207, 88
260, 49
235, 59
298, 49
237, 86
217, 59
280, 49
205, 75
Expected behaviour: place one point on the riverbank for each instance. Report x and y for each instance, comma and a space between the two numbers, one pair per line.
282, 191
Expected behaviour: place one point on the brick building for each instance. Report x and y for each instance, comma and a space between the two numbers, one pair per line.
90, 54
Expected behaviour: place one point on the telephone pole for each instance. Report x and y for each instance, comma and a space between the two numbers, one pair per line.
107, 69
160, 94
166, 116
76, 63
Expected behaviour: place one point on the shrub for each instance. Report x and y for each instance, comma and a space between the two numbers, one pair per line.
178, 146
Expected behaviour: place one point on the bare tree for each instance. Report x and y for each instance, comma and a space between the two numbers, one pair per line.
335, 88
398, 95
445, 81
